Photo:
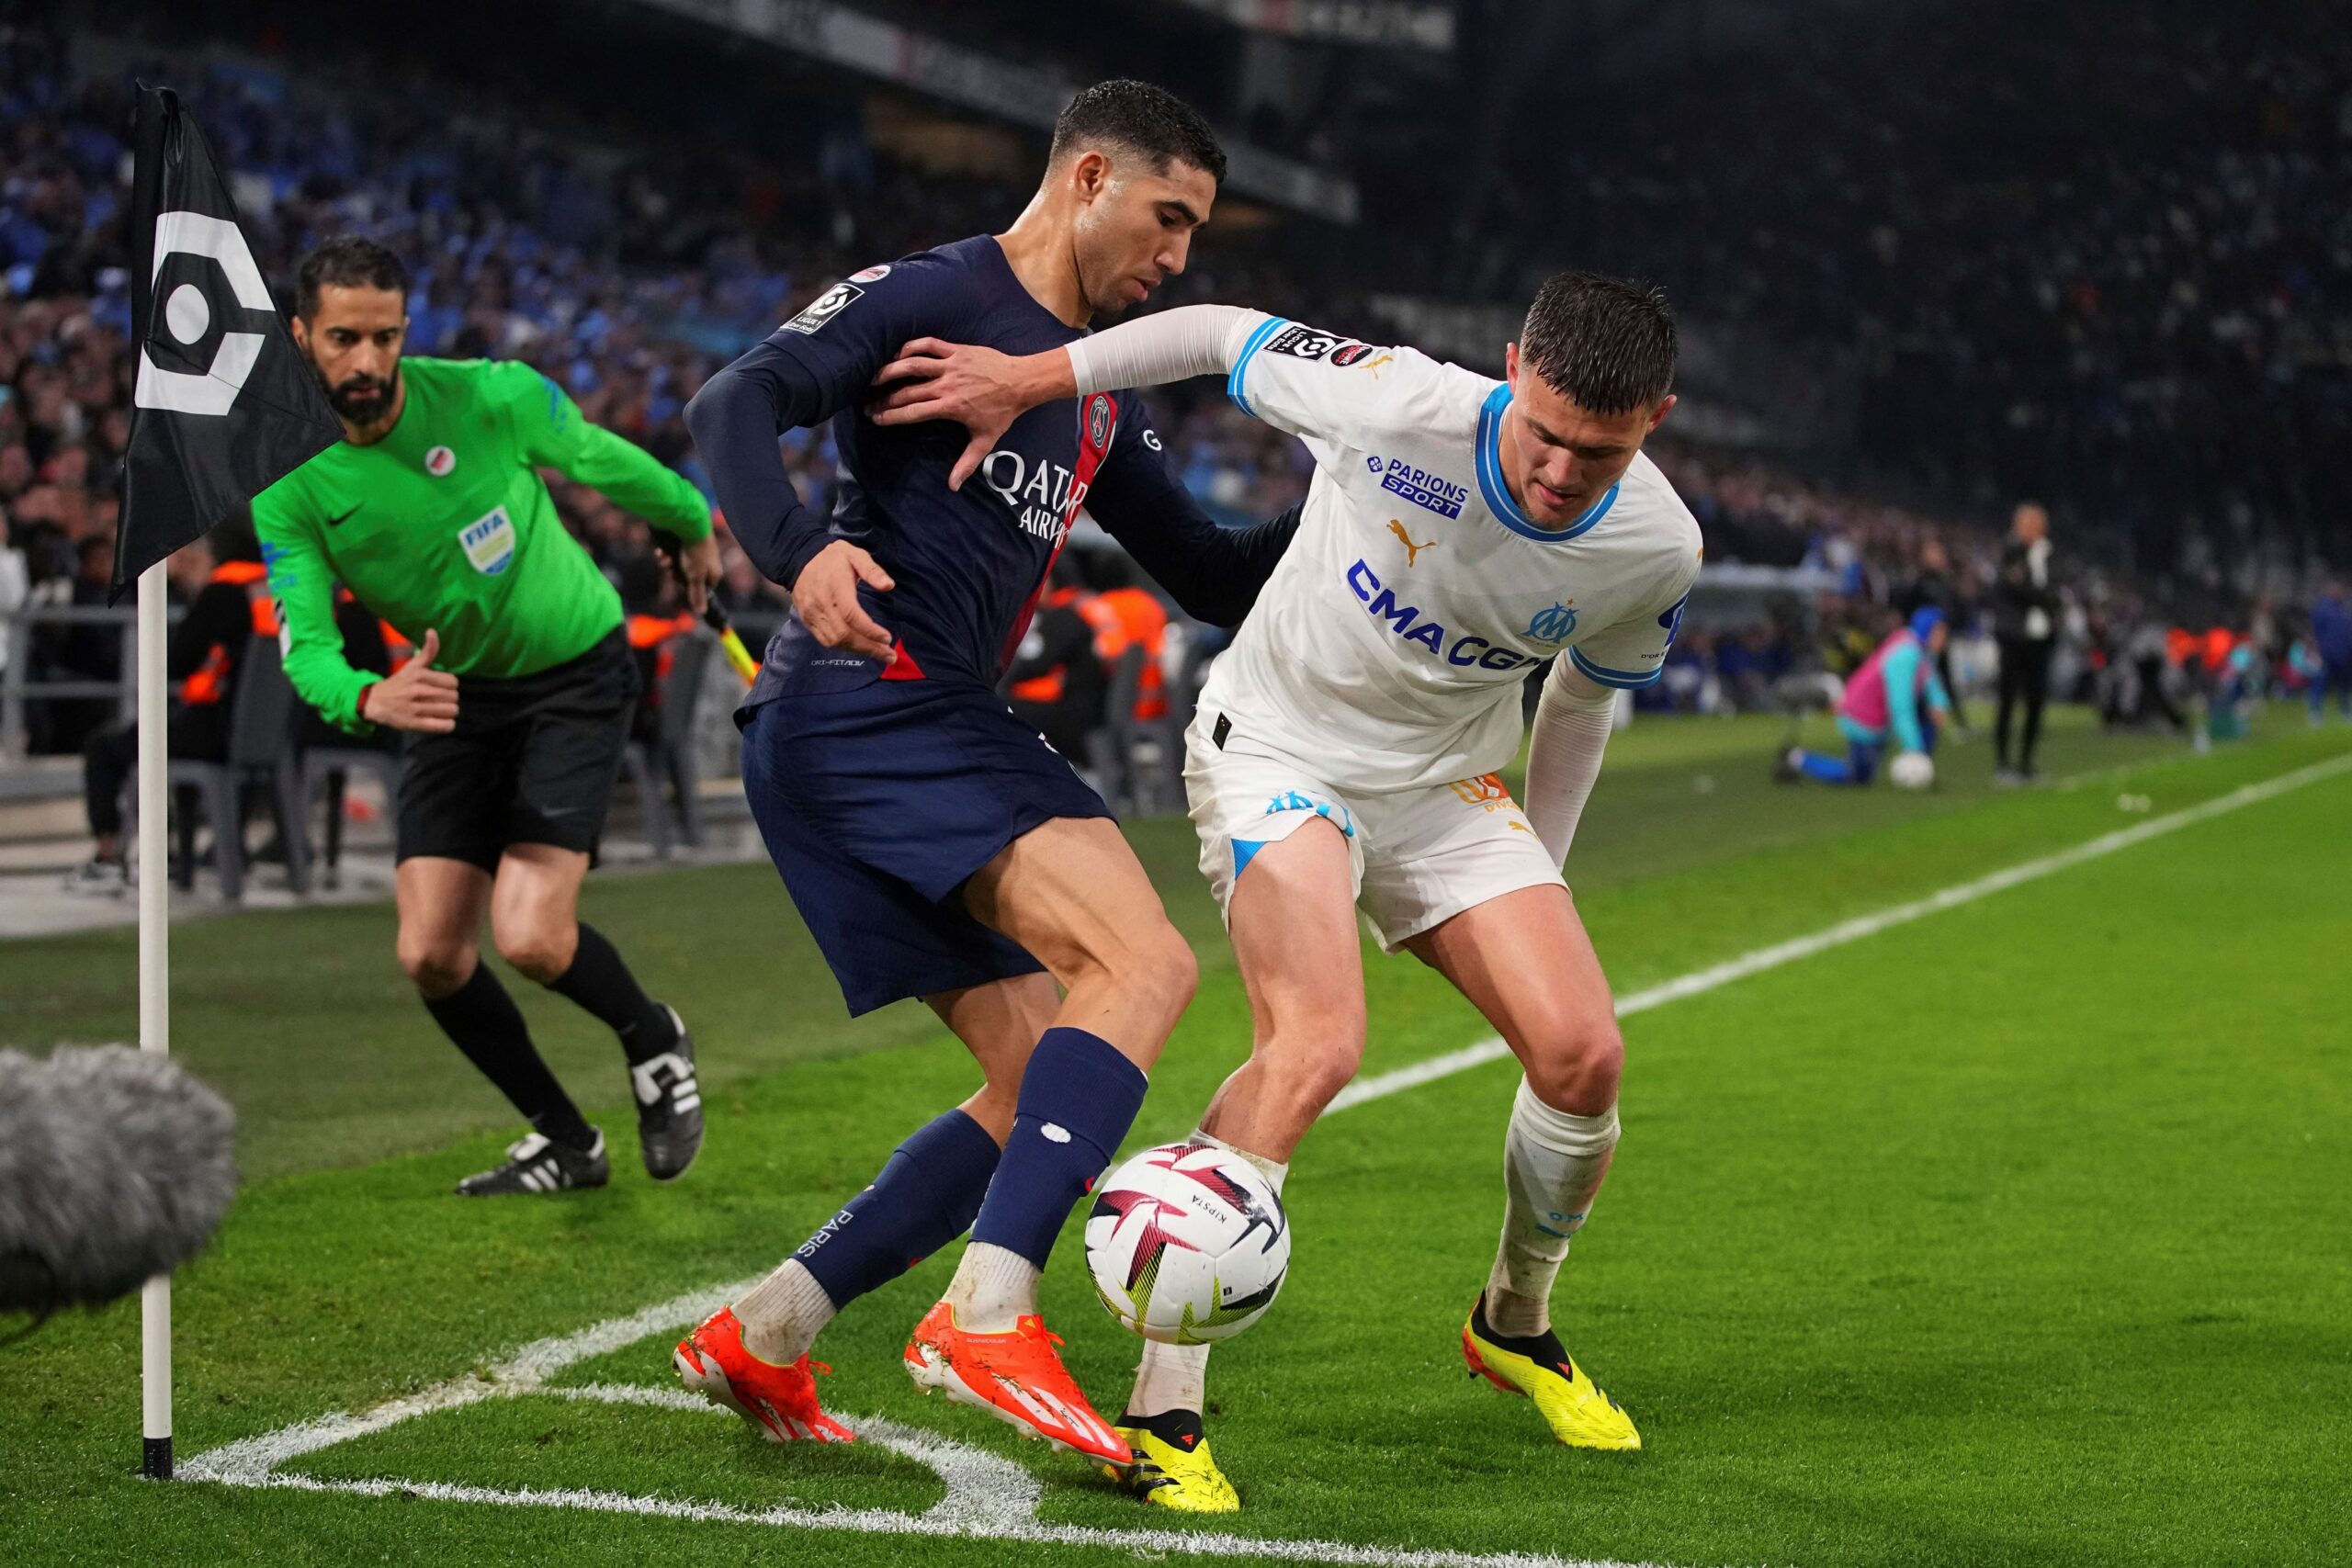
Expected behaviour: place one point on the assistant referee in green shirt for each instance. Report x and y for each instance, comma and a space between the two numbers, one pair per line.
432, 512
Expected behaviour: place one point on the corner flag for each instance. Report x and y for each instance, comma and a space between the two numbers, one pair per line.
223, 408
224, 405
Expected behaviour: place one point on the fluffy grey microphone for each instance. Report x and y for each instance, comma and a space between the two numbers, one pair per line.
115, 1164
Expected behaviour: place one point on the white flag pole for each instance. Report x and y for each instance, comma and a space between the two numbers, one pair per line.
154, 986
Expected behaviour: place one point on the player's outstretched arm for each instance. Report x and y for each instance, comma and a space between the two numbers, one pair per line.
556, 435
985, 391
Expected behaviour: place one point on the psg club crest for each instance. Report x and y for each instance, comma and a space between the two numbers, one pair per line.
1098, 422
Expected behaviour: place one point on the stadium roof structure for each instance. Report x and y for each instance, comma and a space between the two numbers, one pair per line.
841, 35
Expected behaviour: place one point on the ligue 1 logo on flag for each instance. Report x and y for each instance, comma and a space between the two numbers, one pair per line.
223, 404
189, 311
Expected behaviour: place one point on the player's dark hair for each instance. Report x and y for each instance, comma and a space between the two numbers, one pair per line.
1143, 118
346, 261
1606, 344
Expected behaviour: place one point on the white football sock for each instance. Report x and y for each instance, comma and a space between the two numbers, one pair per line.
1175, 1377
782, 1314
1169, 1377
994, 1288
1275, 1171
1553, 1164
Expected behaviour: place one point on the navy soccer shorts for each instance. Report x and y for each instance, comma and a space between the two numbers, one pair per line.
878, 804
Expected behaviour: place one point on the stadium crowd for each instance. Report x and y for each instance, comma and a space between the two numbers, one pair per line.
630, 279
2126, 285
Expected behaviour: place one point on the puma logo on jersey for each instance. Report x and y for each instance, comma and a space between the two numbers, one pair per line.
1412, 550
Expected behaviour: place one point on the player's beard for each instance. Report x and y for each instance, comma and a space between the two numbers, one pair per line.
363, 399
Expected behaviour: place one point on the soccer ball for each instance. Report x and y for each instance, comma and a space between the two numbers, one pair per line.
1912, 770
1187, 1245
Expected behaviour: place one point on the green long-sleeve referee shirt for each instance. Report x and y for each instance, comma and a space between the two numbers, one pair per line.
444, 525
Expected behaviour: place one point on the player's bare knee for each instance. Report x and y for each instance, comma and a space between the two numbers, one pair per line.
541, 949
435, 965
1333, 1067
1155, 966
1575, 1068
1306, 1070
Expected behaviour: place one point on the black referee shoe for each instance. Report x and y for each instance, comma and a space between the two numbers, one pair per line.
669, 1106
541, 1164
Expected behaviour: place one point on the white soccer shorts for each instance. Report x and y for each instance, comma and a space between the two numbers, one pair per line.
1418, 858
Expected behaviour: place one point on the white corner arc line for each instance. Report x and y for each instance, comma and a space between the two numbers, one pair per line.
989, 1497
1382, 1085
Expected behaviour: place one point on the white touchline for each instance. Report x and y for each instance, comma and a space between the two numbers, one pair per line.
989, 1497
1382, 1085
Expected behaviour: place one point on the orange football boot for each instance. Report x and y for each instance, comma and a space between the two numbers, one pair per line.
780, 1401
1016, 1378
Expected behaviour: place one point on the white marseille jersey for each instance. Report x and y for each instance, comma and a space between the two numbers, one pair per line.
1389, 650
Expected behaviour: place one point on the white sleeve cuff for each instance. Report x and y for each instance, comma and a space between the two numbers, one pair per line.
1192, 340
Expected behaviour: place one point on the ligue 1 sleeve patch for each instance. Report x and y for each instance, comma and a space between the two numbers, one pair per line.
830, 303
1306, 343
489, 542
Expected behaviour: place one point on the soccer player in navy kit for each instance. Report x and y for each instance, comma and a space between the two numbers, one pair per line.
936, 846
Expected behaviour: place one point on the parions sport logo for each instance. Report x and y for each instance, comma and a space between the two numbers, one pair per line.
1431, 492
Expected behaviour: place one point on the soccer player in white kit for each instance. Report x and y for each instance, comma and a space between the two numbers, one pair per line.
1458, 533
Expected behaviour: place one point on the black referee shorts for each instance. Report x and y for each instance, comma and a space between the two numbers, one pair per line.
533, 760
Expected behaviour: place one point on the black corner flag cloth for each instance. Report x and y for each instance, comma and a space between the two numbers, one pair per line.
223, 406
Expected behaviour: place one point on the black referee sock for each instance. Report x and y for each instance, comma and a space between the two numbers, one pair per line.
601, 983
488, 1027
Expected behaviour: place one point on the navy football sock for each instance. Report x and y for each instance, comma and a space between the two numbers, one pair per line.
925, 1197
1078, 1097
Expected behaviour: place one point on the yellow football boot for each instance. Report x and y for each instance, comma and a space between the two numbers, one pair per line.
1539, 1368
1174, 1468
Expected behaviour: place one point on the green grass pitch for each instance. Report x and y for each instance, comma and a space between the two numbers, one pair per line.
2016, 1233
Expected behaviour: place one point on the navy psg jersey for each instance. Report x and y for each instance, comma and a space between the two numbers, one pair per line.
968, 566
